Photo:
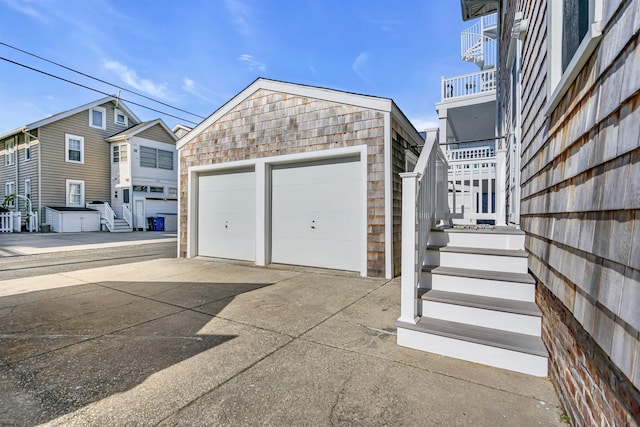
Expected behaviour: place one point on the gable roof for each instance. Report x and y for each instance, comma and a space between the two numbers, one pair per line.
64, 114
141, 127
342, 97
180, 127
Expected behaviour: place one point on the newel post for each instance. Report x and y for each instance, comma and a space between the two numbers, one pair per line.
409, 280
501, 193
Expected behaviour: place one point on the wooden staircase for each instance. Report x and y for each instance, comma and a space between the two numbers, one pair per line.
477, 301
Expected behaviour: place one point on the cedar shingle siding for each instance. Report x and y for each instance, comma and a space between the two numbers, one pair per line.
270, 123
581, 212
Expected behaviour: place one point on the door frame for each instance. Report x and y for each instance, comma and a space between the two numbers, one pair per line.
137, 199
262, 168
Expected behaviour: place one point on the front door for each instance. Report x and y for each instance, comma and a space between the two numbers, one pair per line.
138, 214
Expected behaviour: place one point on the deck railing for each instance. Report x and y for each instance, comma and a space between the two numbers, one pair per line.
424, 203
472, 184
468, 84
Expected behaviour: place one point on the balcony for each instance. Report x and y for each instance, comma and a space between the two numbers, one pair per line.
481, 82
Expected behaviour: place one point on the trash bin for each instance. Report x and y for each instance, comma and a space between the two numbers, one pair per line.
151, 223
159, 223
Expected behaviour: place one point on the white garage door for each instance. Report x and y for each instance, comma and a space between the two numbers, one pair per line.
227, 215
316, 214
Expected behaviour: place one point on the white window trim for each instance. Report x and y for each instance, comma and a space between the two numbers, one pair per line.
10, 188
27, 183
68, 183
558, 81
104, 117
67, 137
27, 150
10, 152
117, 112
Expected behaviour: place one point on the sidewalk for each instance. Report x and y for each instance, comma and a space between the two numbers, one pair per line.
12, 244
201, 342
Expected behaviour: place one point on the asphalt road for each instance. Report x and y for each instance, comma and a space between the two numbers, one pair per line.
15, 267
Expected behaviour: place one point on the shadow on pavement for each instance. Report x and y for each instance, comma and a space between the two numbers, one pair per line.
65, 348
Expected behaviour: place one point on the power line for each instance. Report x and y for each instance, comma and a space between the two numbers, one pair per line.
99, 80
95, 90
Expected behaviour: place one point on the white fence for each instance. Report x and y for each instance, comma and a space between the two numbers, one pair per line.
10, 222
424, 203
472, 184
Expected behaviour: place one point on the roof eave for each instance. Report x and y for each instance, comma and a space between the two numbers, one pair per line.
472, 9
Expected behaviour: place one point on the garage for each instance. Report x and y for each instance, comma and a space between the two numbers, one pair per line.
316, 214
226, 221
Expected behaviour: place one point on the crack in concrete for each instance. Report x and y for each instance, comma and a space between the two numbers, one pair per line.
339, 396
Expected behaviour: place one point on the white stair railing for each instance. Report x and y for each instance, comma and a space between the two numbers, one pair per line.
126, 214
424, 203
107, 215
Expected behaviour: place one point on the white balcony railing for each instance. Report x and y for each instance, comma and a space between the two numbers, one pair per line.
472, 184
478, 45
468, 84
424, 203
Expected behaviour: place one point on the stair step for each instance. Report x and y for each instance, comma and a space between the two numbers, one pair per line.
506, 350
518, 253
502, 276
497, 304
522, 343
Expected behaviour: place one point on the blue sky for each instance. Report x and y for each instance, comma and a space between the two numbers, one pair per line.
196, 55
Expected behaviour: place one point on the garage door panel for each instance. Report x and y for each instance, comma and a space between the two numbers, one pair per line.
317, 214
226, 216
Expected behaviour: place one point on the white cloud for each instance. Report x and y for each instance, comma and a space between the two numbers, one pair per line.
360, 64
239, 13
251, 63
199, 90
423, 124
25, 7
130, 77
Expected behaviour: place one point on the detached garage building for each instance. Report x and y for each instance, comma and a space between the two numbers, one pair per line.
293, 174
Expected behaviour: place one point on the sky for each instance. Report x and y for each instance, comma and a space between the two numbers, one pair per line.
197, 54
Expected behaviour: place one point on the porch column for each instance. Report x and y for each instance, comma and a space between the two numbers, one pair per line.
501, 191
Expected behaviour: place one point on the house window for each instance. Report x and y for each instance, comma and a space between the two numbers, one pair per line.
27, 149
119, 118
154, 158
574, 32
9, 189
9, 152
74, 148
75, 193
156, 189
141, 188
172, 192
119, 153
27, 188
98, 117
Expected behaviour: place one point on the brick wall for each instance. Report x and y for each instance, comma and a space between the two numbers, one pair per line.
271, 123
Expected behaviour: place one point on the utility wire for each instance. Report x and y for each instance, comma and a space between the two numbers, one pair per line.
95, 90
97, 79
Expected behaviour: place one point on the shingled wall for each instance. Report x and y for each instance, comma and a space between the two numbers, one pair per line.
269, 123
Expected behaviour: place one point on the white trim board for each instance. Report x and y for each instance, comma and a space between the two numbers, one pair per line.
262, 167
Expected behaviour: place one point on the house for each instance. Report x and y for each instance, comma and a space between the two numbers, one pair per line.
567, 170
293, 174
63, 164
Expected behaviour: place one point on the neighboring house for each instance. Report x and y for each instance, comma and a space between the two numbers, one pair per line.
293, 174
144, 164
63, 162
568, 172
180, 130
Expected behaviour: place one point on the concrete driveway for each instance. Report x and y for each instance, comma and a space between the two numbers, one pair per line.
199, 342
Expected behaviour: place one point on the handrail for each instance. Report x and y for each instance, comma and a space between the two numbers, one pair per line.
126, 214
424, 202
